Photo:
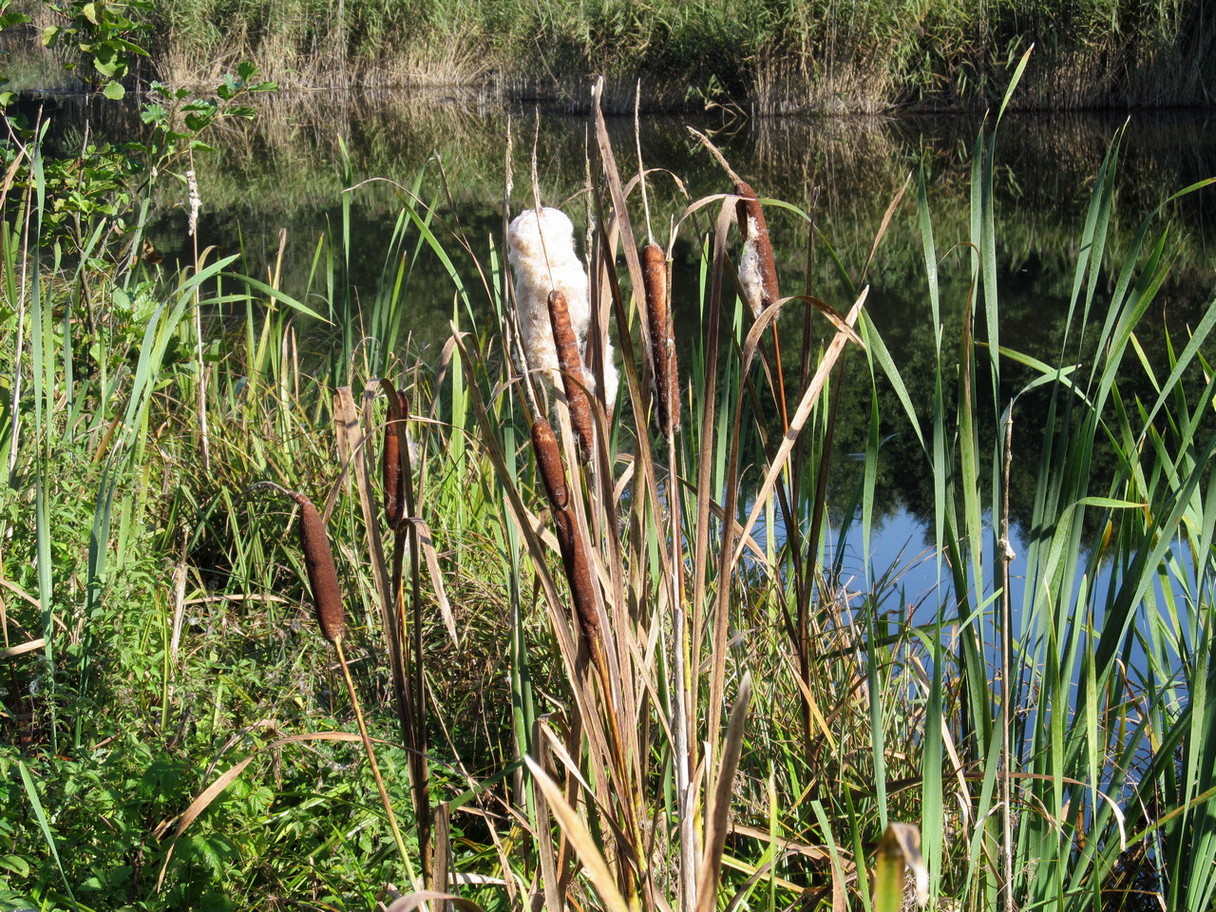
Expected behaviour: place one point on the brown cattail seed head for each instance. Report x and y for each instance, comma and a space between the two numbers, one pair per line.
322, 574
662, 337
574, 555
549, 461
757, 270
573, 376
390, 466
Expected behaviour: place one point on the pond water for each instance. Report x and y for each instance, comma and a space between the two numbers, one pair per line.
287, 174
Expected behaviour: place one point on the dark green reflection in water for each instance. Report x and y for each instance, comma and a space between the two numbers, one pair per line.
286, 174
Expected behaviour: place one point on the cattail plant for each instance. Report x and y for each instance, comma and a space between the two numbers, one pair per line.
757, 267
572, 372
662, 337
331, 618
757, 271
322, 573
540, 247
397, 459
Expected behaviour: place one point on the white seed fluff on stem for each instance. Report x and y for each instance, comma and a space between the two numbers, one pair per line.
751, 270
540, 248
611, 377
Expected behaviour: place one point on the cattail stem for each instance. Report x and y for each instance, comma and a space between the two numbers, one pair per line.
371, 760
331, 618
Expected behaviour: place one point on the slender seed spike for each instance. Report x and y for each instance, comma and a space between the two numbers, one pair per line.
322, 574
662, 336
757, 270
549, 461
390, 466
572, 371
574, 555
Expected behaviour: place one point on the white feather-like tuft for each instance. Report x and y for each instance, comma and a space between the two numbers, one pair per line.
540, 248
751, 270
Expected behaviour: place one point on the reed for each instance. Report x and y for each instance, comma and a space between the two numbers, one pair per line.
331, 620
775, 58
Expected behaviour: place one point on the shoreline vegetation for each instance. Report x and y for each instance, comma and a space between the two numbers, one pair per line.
345, 628
765, 58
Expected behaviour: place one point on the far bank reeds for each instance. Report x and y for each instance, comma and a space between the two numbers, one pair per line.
767, 58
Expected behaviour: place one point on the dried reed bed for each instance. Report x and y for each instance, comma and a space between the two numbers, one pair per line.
793, 58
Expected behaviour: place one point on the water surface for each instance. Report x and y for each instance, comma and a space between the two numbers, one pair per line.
285, 178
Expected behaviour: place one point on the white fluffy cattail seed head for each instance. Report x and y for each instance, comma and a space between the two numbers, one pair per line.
757, 271
540, 248
195, 201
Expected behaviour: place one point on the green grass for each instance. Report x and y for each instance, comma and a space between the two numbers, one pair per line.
748, 722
